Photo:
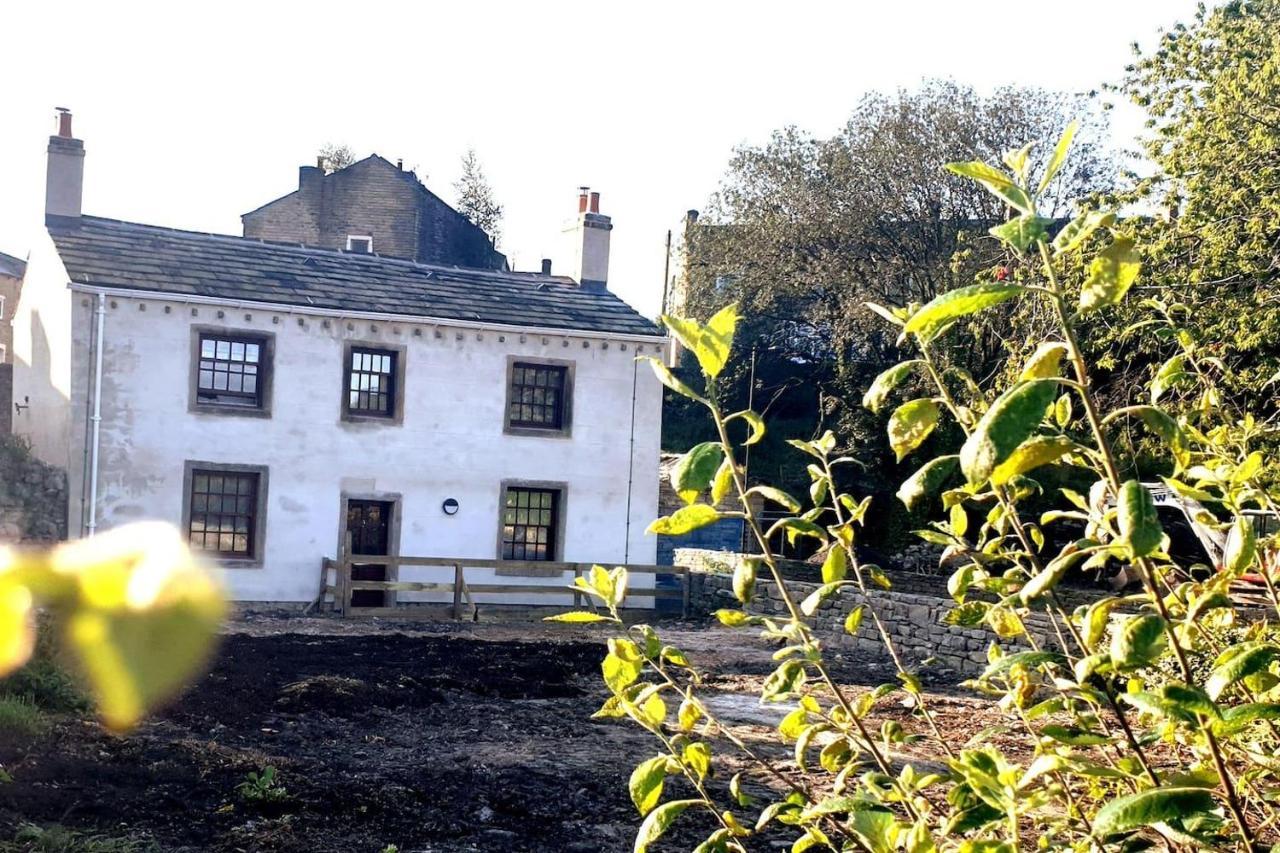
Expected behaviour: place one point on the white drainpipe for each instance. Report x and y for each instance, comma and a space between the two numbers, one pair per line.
96, 417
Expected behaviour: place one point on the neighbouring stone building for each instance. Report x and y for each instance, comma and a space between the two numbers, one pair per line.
275, 399
373, 207
12, 271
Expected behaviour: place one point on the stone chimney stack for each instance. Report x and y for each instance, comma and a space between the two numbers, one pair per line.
589, 242
64, 179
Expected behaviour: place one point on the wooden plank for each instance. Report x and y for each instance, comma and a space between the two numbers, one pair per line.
475, 563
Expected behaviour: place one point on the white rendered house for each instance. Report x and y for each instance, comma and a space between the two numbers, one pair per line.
273, 399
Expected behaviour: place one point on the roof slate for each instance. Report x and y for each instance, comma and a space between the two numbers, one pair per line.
11, 266
110, 253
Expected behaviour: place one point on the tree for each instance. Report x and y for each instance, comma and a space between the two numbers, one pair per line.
804, 230
475, 197
332, 157
1211, 91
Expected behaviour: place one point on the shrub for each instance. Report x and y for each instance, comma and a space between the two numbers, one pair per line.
1131, 742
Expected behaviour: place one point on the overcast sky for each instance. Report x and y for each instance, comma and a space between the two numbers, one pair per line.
194, 114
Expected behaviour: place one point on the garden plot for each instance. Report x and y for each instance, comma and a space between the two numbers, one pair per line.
449, 738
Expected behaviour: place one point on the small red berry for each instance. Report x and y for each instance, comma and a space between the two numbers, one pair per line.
1002, 273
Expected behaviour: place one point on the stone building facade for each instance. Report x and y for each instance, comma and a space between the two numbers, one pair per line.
284, 403
373, 206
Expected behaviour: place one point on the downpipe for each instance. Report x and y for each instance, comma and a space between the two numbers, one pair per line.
95, 420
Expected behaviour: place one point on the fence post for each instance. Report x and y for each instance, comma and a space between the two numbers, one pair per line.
457, 591
344, 577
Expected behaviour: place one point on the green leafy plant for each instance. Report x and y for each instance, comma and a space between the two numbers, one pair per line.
262, 786
1126, 743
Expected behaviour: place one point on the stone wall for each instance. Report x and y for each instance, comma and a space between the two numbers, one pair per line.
6, 399
914, 620
33, 496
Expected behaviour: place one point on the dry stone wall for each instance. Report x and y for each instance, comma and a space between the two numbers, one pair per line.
914, 620
33, 496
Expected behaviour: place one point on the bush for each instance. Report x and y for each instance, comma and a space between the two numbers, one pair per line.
1144, 725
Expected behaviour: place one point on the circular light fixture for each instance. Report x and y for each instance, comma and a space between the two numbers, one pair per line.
450, 506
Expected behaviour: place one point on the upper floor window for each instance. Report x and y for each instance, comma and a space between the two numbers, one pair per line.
539, 395
1, 307
230, 371
360, 244
371, 382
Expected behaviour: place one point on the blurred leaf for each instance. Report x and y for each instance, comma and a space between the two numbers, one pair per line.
883, 384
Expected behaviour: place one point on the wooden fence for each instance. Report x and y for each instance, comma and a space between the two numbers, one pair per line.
337, 585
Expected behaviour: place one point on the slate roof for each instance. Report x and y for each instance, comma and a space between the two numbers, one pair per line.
11, 266
110, 253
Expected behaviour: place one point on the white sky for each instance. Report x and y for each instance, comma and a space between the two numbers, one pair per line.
192, 115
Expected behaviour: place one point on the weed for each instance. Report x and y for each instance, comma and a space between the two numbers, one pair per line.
31, 838
262, 786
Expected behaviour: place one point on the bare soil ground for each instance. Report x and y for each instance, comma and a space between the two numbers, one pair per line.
449, 737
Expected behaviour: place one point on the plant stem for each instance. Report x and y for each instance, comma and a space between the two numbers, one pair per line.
1145, 567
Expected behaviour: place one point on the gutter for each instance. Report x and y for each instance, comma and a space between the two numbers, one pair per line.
193, 299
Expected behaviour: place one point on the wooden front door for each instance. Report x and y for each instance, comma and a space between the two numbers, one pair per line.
369, 523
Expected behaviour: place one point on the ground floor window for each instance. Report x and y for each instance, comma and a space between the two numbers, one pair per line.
224, 510
530, 523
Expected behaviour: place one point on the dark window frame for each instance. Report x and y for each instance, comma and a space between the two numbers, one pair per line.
557, 527
265, 375
257, 530
512, 426
398, 353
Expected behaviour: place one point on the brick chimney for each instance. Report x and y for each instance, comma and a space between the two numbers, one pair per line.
589, 242
64, 178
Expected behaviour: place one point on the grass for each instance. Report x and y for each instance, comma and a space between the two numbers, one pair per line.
31, 838
45, 682
20, 716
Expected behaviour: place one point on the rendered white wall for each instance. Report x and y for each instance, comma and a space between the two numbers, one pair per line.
43, 355
451, 443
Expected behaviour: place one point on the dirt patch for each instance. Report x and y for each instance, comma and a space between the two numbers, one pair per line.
476, 738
